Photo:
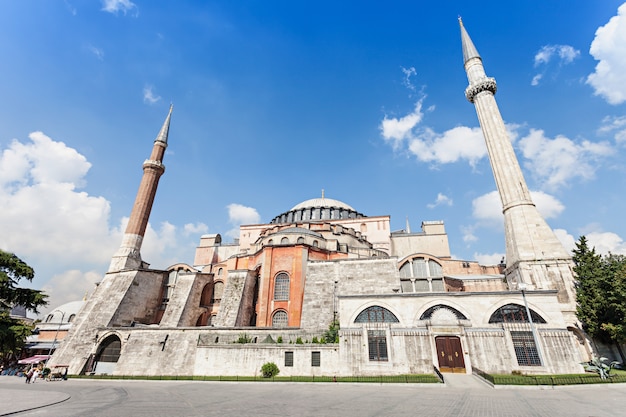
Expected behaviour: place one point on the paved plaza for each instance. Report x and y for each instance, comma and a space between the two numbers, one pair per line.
461, 396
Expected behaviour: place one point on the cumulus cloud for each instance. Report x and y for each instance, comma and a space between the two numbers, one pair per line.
555, 162
70, 285
115, 6
450, 146
487, 208
408, 73
442, 200
239, 214
603, 242
396, 130
558, 55
197, 228
609, 49
149, 96
53, 225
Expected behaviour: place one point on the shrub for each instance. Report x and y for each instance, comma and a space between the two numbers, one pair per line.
269, 370
279, 340
244, 338
315, 340
299, 341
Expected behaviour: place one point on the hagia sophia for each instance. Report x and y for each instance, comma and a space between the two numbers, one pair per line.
398, 300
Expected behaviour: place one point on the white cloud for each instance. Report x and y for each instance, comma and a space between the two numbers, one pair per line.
609, 48
489, 258
487, 208
603, 242
114, 6
615, 125
197, 228
398, 129
441, 200
98, 52
70, 285
149, 95
56, 228
555, 162
408, 73
565, 54
536, 79
450, 146
239, 214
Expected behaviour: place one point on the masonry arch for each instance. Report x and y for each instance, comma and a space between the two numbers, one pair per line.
107, 355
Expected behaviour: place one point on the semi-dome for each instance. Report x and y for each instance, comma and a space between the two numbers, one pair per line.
317, 209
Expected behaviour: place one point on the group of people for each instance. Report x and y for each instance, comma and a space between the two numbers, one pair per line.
32, 375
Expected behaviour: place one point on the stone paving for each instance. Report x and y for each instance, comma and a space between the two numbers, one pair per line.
463, 395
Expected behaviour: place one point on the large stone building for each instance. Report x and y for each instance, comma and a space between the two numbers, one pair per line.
402, 303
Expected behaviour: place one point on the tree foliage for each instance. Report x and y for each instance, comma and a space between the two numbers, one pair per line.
13, 332
601, 294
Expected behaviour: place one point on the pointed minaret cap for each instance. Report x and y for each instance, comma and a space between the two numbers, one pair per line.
165, 129
469, 50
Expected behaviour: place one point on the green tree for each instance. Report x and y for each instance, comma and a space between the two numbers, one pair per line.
601, 294
13, 332
332, 334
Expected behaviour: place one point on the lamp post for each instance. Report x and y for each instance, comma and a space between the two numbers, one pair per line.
522, 287
56, 335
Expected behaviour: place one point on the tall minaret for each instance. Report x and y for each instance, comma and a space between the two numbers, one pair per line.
128, 255
534, 255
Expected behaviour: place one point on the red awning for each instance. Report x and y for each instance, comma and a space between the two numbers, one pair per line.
33, 359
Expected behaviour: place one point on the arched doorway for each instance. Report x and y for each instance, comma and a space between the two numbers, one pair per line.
107, 355
450, 354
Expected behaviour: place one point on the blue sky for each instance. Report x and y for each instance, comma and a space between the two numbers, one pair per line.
276, 100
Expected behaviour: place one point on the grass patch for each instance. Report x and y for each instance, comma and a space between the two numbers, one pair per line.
560, 379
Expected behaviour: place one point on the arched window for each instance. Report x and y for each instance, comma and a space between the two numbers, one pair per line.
71, 318
514, 313
284, 241
220, 271
376, 314
315, 243
207, 292
270, 242
300, 239
281, 287
48, 318
218, 291
429, 313
279, 319
421, 275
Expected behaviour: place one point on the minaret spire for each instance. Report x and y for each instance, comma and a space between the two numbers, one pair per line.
469, 50
128, 255
534, 255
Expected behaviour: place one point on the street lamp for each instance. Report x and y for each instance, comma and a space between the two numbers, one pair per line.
56, 335
522, 288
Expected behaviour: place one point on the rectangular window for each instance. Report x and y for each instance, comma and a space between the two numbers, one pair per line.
288, 358
316, 359
525, 348
377, 343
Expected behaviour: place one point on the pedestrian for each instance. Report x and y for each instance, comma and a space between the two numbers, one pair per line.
29, 375
35, 375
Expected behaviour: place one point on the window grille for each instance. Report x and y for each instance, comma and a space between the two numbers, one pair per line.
376, 314
281, 287
316, 359
288, 358
377, 343
525, 348
279, 319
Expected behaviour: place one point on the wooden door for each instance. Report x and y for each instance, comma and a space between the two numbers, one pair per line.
450, 354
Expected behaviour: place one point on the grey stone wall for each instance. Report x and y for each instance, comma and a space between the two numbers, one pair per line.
328, 279
231, 298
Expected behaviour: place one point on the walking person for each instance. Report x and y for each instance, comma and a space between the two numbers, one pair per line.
35, 375
29, 375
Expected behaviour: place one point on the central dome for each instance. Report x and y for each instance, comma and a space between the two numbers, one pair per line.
322, 202
317, 209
